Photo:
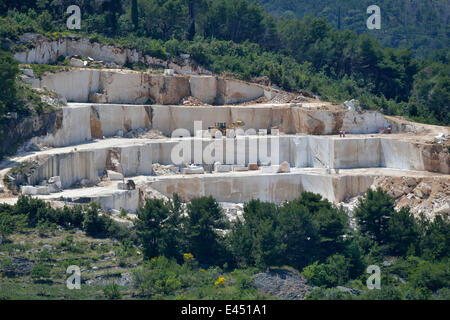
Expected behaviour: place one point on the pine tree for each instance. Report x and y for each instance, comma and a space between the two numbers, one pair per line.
134, 14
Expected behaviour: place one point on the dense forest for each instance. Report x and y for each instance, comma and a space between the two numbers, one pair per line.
421, 25
239, 37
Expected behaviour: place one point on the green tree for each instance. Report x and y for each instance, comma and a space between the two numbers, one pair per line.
8, 72
373, 213
435, 242
134, 14
204, 217
159, 228
403, 232
299, 234
330, 274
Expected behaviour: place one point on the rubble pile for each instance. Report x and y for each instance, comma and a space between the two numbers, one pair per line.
141, 133
161, 170
430, 196
192, 102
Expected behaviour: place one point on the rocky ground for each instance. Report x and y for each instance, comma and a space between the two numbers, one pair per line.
284, 284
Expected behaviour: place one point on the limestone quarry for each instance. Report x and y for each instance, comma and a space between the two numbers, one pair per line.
126, 135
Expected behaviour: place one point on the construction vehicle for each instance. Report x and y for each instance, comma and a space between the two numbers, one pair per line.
222, 127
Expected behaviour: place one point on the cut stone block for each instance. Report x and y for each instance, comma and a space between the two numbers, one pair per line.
193, 170
28, 190
239, 168
43, 190
53, 188
253, 166
113, 176
222, 168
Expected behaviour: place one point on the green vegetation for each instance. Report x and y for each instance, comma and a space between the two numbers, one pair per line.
419, 24
190, 252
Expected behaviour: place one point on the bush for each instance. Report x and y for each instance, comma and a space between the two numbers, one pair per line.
328, 294
112, 292
40, 272
333, 273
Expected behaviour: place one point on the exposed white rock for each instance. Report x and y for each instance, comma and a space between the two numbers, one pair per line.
222, 168
43, 190
112, 175
284, 167
267, 169
28, 190
239, 168
74, 62
193, 170
204, 88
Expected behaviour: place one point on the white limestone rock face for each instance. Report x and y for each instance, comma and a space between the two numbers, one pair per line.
367, 122
272, 187
234, 91
204, 88
48, 51
43, 52
401, 155
75, 128
356, 153
74, 85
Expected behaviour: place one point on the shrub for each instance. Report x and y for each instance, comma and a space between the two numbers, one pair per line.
112, 292
333, 273
40, 272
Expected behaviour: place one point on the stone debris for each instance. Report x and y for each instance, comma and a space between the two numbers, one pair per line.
233, 211
284, 284
165, 170
192, 101
426, 195
284, 167
75, 62
121, 279
18, 267
352, 105
140, 133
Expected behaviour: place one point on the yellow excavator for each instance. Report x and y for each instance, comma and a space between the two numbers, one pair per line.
222, 127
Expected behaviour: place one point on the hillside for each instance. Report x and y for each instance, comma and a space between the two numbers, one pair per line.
184, 149
419, 25
238, 38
